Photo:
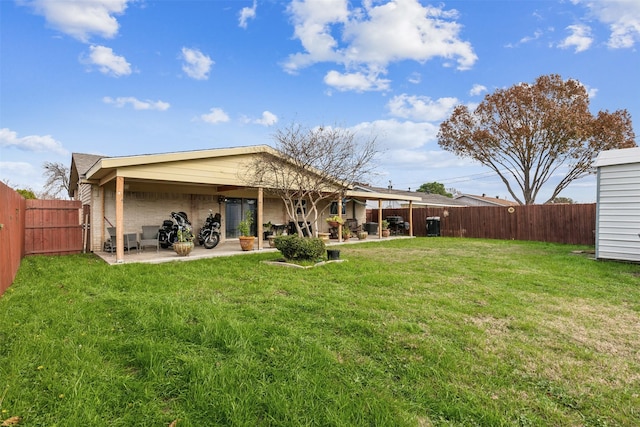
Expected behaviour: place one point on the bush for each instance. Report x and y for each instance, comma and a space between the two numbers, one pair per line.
294, 247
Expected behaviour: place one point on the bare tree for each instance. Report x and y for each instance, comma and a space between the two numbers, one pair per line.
57, 182
525, 133
312, 165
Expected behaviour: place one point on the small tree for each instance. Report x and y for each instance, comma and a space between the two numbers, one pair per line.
434, 188
562, 201
312, 165
26, 193
57, 182
527, 132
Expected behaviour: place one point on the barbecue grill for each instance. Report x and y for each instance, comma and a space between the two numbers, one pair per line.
396, 224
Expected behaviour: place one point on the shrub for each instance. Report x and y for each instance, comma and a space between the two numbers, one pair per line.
294, 247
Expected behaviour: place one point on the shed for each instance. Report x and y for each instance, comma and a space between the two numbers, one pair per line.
618, 205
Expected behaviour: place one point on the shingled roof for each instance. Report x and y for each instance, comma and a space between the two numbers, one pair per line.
80, 164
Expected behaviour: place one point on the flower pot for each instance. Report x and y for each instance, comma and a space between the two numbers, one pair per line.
333, 224
183, 248
272, 240
333, 254
362, 235
246, 242
324, 236
386, 233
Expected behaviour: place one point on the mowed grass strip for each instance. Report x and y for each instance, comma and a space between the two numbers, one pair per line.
420, 332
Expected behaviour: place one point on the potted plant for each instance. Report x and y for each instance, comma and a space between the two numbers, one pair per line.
362, 234
335, 221
346, 233
184, 245
246, 239
385, 228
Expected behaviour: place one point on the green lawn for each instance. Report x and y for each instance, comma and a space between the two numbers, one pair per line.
420, 332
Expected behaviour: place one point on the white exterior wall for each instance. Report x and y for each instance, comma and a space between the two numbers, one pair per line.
618, 212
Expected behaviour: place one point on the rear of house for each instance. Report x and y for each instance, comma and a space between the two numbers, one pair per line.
618, 205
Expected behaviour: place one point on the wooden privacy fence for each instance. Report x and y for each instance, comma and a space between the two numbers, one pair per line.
12, 208
52, 227
571, 224
30, 227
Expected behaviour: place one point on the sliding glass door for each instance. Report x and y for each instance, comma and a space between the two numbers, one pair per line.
236, 210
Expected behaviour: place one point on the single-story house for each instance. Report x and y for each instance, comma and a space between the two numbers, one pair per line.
484, 200
618, 205
134, 191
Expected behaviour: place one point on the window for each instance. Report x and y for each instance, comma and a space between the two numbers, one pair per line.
334, 207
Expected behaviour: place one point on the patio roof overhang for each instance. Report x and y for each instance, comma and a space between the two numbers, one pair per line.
372, 195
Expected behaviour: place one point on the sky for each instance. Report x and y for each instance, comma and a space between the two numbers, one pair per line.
130, 77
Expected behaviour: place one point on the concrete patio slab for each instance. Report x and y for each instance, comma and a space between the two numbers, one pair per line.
228, 248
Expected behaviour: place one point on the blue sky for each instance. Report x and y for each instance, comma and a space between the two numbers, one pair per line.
126, 77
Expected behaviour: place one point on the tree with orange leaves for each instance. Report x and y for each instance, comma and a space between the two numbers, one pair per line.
528, 132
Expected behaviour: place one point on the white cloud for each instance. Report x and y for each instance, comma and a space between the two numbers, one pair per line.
216, 115
536, 35
421, 108
197, 65
623, 18
580, 38
108, 62
247, 13
358, 82
415, 78
81, 18
267, 119
477, 89
16, 168
395, 135
35, 143
136, 103
374, 36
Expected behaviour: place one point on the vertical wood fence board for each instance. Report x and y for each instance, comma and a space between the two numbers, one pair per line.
12, 218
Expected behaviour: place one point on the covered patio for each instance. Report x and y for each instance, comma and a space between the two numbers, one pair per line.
224, 249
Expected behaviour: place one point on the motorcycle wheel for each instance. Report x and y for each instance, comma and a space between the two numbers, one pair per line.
211, 241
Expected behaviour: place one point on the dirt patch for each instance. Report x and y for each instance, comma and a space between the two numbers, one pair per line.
591, 343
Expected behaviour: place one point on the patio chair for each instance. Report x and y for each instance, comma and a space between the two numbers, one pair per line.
130, 241
149, 237
110, 244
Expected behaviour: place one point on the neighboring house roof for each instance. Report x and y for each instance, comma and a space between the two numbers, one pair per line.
485, 201
419, 198
618, 157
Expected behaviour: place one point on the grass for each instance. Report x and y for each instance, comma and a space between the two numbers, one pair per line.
421, 332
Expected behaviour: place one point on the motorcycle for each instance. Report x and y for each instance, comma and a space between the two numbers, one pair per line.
168, 233
209, 234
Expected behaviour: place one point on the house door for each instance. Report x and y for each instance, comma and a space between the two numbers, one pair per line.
236, 210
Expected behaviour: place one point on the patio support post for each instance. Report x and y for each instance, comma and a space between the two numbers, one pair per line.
411, 218
340, 215
380, 218
119, 219
260, 216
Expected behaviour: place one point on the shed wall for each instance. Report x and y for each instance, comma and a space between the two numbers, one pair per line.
618, 212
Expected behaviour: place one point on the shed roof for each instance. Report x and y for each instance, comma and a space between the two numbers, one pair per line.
618, 157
